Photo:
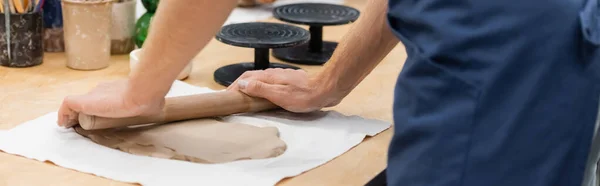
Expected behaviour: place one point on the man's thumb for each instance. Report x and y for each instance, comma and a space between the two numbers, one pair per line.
74, 103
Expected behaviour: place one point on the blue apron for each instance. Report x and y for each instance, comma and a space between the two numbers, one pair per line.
494, 92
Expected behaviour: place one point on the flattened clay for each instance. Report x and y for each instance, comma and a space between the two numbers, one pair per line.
201, 141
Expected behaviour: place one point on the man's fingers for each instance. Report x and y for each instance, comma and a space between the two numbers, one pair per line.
75, 103
255, 88
245, 75
251, 73
69, 110
63, 115
266, 76
272, 76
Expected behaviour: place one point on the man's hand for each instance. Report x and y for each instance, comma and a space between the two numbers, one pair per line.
112, 99
366, 43
292, 90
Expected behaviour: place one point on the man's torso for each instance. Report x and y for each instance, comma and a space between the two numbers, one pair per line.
494, 92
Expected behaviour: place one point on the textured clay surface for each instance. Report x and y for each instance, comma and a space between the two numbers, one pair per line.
202, 141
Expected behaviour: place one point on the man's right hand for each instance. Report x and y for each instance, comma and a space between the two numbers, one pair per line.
366, 43
292, 90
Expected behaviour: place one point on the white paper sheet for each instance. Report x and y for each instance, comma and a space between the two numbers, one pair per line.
241, 15
312, 140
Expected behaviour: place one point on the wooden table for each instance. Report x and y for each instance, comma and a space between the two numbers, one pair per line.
27, 93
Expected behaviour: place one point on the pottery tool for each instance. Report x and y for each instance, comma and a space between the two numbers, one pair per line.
10, 6
316, 51
7, 27
262, 37
39, 4
186, 107
27, 5
19, 6
31, 5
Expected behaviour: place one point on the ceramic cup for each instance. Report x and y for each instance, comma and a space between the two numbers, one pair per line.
25, 48
123, 27
87, 27
134, 57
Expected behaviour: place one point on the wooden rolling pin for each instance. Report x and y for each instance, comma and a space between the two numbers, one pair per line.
186, 107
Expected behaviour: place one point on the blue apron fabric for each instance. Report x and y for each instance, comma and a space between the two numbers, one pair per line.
494, 93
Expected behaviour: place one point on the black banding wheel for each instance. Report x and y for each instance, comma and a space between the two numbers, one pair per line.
261, 37
315, 15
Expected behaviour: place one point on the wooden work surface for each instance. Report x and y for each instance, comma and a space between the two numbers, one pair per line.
27, 93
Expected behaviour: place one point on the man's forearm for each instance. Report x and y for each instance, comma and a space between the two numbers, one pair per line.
179, 30
361, 49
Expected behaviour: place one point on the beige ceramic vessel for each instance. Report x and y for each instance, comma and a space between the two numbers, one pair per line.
87, 26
